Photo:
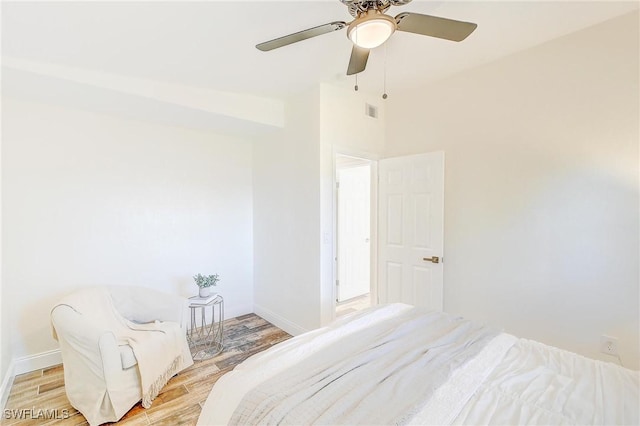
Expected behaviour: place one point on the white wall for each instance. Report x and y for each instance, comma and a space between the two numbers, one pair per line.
541, 188
92, 199
286, 219
344, 124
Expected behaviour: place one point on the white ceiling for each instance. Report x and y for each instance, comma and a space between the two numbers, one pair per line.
211, 44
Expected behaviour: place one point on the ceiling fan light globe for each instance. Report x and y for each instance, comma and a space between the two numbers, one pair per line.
372, 31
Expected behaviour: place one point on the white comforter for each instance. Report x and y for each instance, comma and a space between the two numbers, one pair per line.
510, 381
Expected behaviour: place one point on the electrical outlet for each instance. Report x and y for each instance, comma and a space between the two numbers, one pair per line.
609, 345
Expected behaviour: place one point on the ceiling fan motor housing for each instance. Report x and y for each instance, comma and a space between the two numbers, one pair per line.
360, 7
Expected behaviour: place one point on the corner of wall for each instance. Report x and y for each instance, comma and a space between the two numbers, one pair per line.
286, 218
6, 367
5, 386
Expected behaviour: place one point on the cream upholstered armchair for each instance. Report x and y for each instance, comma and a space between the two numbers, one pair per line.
119, 345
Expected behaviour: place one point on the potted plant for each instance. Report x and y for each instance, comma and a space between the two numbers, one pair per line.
205, 282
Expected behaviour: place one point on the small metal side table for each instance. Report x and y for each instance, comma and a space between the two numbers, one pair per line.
206, 339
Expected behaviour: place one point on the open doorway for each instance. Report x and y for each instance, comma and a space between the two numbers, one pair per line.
353, 234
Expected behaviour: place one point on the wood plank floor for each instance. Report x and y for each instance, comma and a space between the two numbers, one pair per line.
353, 305
181, 399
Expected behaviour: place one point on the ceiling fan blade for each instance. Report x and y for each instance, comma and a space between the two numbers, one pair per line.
434, 26
301, 35
358, 60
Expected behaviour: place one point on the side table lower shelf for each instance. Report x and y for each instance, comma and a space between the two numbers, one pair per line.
206, 339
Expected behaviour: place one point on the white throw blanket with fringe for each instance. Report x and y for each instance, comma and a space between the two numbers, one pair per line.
159, 359
157, 346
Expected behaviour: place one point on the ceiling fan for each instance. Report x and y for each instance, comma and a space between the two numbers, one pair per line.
372, 27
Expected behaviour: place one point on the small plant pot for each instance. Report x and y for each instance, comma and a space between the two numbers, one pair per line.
204, 291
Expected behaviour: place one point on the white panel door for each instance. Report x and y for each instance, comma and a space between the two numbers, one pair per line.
354, 218
411, 230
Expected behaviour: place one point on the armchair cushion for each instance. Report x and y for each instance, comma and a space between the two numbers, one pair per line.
127, 357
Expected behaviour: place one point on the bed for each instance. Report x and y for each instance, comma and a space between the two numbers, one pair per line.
398, 364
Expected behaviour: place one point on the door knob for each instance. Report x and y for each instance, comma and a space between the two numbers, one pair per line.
432, 259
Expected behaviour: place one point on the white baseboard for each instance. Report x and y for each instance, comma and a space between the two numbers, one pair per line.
7, 382
280, 322
26, 364
37, 361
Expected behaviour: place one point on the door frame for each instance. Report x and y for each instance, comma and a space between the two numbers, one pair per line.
373, 261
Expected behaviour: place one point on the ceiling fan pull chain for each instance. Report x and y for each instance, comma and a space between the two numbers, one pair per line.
384, 77
356, 86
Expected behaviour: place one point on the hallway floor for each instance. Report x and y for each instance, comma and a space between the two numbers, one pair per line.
353, 305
